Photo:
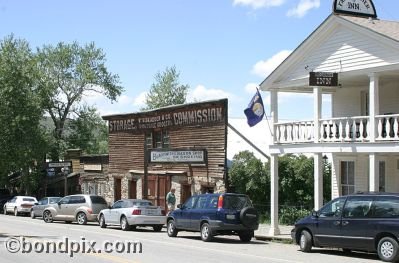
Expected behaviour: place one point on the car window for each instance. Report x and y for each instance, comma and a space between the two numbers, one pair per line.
64, 200
213, 202
358, 207
54, 200
141, 203
25, 199
117, 204
236, 202
97, 200
43, 201
386, 207
77, 200
333, 208
190, 202
13, 200
201, 202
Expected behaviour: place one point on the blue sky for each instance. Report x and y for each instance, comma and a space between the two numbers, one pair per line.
222, 48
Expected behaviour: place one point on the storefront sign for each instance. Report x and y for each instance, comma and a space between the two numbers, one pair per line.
186, 115
92, 167
58, 168
177, 156
355, 7
323, 79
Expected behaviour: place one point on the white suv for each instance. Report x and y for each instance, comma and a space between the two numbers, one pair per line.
19, 204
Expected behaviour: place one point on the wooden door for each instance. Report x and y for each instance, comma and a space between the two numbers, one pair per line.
185, 193
152, 184
132, 189
117, 189
158, 187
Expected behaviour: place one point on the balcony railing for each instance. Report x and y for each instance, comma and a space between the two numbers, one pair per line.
345, 129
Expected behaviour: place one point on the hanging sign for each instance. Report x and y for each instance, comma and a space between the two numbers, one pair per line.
364, 8
323, 79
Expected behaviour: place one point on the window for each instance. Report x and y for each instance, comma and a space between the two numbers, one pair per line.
64, 200
237, 202
381, 168
157, 139
190, 202
97, 200
347, 177
77, 200
201, 202
43, 201
54, 200
213, 202
386, 207
116, 205
333, 208
358, 207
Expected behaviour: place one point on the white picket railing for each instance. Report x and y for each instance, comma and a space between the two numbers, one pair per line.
345, 129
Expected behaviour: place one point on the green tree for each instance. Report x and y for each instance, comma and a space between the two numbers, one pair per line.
22, 141
67, 73
166, 90
250, 176
89, 132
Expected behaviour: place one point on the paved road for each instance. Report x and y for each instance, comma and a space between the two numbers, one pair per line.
156, 247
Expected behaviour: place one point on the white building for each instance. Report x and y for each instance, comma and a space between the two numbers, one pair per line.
362, 136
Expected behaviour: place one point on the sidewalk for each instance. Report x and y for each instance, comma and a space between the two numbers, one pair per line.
263, 233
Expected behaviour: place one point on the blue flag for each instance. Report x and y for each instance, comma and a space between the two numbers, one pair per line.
255, 110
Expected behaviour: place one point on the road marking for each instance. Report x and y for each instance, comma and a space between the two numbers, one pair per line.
180, 245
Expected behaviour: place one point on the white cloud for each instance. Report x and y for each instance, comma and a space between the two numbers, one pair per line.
264, 67
256, 4
303, 7
201, 93
251, 88
139, 101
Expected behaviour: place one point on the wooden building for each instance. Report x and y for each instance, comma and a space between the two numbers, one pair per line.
185, 146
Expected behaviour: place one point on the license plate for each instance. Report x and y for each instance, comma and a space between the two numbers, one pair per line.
231, 217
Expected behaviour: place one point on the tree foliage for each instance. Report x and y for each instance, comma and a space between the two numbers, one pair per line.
166, 90
67, 73
22, 141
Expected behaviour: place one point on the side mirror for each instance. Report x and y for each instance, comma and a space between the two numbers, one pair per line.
36, 203
315, 214
59, 203
180, 206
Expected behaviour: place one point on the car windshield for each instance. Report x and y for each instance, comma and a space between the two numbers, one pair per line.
140, 203
28, 200
236, 202
97, 200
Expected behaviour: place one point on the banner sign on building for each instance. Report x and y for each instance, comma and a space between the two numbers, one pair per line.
364, 8
56, 168
323, 79
203, 114
195, 156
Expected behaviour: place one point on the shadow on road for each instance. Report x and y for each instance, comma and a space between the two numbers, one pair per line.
224, 240
352, 254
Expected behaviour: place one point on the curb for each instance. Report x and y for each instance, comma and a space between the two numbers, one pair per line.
286, 240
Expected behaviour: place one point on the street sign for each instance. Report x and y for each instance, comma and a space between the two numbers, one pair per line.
323, 79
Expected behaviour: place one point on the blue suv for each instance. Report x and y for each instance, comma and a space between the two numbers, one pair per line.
215, 214
364, 221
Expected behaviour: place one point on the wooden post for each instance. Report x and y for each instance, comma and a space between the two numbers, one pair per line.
145, 177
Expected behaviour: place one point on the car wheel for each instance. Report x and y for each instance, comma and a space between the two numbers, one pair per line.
124, 224
171, 228
206, 232
81, 218
157, 228
47, 216
102, 222
15, 211
388, 249
32, 214
305, 241
246, 236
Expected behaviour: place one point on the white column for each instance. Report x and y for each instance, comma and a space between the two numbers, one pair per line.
318, 181
374, 173
274, 229
274, 112
374, 105
317, 112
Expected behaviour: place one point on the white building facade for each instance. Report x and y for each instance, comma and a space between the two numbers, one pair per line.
362, 136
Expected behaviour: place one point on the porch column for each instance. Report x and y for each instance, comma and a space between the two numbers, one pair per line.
317, 112
374, 105
318, 181
274, 229
274, 112
374, 173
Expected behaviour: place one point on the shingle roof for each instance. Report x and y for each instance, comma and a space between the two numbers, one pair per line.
387, 28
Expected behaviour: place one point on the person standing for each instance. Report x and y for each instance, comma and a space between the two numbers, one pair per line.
171, 200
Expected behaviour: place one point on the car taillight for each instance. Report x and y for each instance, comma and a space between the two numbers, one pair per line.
163, 212
220, 202
136, 212
90, 211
